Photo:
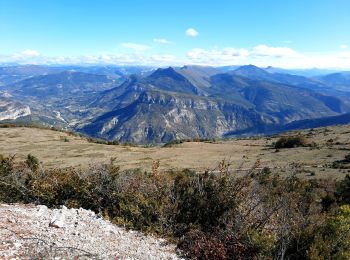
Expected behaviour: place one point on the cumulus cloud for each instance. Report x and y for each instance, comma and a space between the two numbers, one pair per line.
30, 53
135, 58
135, 46
338, 60
217, 56
261, 55
344, 55
268, 51
162, 41
190, 32
26, 54
227, 56
163, 58
343, 46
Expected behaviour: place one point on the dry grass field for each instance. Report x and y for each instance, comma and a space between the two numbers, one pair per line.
58, 149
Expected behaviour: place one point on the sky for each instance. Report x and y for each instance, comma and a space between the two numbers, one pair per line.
279, 33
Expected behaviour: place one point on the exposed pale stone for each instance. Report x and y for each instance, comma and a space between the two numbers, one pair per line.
80, 234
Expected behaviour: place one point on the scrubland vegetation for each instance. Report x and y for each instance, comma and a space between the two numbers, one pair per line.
291, 142
209, 215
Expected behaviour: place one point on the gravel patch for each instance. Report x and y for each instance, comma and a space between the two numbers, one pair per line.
28, 231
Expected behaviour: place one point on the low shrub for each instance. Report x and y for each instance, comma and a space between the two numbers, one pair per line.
347, 158
32, 162
343, 190
342, 164
180, 141
173, 142
291, 142
332, 238
210, 215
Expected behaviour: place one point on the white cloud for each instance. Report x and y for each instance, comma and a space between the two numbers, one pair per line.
190, 32
278, 52
261, 55
237, 56
30, 53
344, 55
26, 54
217, 56
135, 46
333, 60
162, 41
136, 58
343, 46
164, 60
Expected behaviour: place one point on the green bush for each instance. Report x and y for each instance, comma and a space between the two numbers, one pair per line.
202, 199
332, 239
291, 142
347, 158
343, 190
173, 142
210, 215
342, 164
6, 165
32, 162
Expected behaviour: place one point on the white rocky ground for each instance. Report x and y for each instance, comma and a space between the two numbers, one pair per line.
28, 231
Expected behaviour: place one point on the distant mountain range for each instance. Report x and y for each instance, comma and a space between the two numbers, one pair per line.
149, 105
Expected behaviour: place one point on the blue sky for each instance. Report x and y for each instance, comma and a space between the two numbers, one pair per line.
299, 33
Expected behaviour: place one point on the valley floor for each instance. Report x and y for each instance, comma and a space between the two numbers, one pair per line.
58, 149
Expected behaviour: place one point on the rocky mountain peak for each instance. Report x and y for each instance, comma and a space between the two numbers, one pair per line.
167, 73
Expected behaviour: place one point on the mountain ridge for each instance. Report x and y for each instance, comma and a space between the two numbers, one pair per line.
160, 105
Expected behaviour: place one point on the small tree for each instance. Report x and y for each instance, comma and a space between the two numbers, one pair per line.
343, 190
347, 158
291, 142
32, 162
6, 164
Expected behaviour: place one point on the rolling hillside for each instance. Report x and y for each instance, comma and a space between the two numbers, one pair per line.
58, 149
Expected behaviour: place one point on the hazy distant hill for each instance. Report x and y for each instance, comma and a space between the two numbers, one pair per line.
62, 84
10, 74
313, 72
340, 81
15, 73
253, 72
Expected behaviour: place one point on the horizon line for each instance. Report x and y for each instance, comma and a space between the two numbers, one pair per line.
14, 64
